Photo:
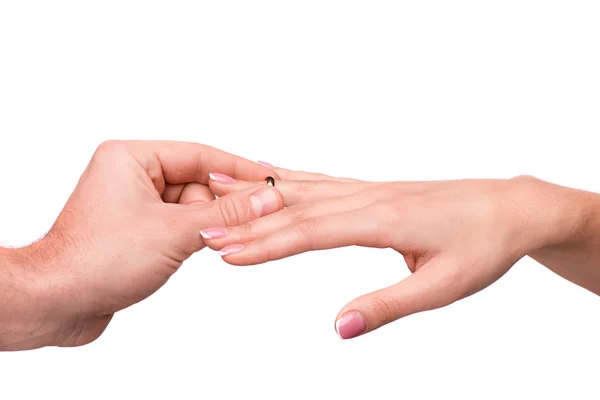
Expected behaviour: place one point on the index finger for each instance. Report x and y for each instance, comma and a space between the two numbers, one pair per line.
185, 162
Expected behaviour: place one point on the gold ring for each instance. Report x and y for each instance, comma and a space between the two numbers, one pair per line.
270, 181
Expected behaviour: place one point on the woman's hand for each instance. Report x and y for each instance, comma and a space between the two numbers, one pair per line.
457, 237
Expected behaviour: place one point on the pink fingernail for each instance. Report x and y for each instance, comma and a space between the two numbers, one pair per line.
266, 164
231, 249
221, 178
213, 233
350, 325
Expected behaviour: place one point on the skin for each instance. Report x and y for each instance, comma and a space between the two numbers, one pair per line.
142, 208
133, 219
456, 237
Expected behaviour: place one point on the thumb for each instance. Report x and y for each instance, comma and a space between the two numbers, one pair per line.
199, 221
434, 285
239, 208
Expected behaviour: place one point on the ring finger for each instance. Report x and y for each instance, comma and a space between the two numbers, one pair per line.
219, 237
294, 192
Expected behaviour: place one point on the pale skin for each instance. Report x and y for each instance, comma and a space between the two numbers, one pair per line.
133, 219
457, 237
141, 209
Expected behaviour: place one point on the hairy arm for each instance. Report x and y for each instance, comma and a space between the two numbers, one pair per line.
134, 217
26, 313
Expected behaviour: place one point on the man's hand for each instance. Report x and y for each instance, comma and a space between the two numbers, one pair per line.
134, 217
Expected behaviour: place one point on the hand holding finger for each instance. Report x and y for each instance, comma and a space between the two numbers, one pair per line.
187, 193
294, 192
276, 222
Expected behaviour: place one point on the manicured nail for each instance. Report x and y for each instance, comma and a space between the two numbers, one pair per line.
221, 178
213, 233
264, 201
350, 325
266, 164
231, 249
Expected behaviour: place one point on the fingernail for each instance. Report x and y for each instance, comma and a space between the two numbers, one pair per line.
231, 249
221, 178
266, 164
350, 325
213, 233
264, 201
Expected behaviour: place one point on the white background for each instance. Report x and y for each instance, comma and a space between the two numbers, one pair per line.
373, 90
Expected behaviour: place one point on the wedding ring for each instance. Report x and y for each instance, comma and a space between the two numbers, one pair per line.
270, 181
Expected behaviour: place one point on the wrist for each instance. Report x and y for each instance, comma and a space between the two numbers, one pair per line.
31, 315
555, 215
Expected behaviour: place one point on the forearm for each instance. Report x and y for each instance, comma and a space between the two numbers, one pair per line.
27, 315
573, 247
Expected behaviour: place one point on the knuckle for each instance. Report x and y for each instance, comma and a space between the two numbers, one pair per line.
296, 213
107, 150
232, 211
246, 230
304, 187
241, 233
385, 309
108, 146
525, 178
306, 227
270, 255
